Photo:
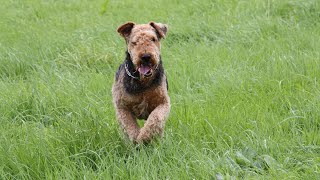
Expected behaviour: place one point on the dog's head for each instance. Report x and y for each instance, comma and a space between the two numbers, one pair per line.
143, 42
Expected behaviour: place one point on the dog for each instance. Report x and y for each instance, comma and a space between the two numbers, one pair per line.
140, 89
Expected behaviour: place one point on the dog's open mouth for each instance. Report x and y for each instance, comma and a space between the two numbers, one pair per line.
145, 70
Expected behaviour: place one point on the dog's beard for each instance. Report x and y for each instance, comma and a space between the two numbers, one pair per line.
146, 70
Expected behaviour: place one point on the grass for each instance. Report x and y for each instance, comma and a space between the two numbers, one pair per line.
243, 81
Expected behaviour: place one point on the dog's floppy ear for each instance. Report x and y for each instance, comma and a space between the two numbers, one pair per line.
160, 28
125, 29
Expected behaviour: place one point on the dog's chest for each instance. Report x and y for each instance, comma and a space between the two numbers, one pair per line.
141, 110
142, 106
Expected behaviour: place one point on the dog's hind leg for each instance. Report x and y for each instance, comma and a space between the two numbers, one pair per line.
128, 123
155, 123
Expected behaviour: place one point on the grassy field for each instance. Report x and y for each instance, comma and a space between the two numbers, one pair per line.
244, 82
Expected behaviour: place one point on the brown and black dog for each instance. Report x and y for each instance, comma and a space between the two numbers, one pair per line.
140, 89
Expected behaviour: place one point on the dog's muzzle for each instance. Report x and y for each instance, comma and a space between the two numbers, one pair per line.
146, 66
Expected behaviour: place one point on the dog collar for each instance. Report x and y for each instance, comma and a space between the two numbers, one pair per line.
128, 72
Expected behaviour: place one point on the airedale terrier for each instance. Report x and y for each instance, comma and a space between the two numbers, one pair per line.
140, 89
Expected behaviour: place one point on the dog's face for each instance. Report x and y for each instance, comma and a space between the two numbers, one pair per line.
143, 42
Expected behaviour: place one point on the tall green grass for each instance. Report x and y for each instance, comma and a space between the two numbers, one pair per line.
243, 81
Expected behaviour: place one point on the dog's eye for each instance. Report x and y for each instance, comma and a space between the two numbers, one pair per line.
134, 43
153, 39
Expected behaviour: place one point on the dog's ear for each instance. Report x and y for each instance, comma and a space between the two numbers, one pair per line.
160, 28
125, 29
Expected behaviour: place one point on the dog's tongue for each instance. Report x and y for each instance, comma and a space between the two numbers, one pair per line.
144, 69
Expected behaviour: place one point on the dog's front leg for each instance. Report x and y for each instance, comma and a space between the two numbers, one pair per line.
128, 123
155, 123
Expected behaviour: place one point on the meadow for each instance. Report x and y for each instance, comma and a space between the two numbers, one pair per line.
244, 82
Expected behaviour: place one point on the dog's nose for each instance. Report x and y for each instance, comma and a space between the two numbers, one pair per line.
146, 57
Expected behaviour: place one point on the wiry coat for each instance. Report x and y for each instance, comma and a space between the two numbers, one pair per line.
138, 97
